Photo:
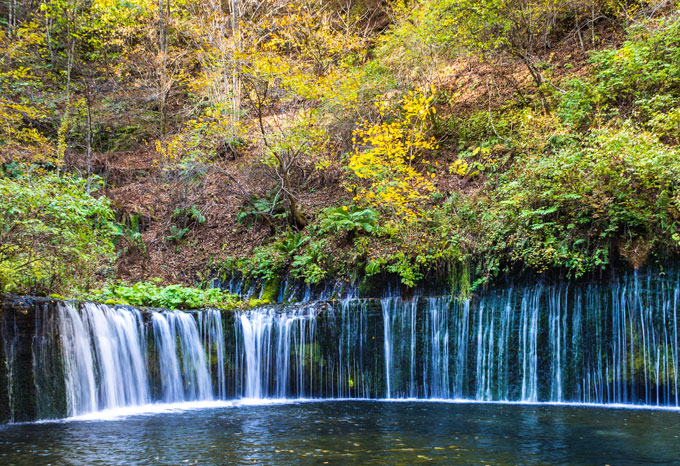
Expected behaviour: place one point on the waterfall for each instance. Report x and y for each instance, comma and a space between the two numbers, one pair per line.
277, 352
212, 336
600, 342
607, 342
106, 360
184, 372
81, 388
388, 314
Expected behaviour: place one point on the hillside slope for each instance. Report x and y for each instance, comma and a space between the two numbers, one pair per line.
461, 140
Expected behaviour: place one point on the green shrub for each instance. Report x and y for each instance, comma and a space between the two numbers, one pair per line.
127, 236
576, 105
291, 242
262, 208
54, 236
186, 216
311, 264
572, 208
177, 233
264, 263
168, 297
641, 79
352, 220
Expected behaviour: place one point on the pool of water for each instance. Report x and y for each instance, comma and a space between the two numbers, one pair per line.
352, 432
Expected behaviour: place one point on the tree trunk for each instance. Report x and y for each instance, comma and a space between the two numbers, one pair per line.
297, 219
88, 108
235, 84
538, 81
163, 26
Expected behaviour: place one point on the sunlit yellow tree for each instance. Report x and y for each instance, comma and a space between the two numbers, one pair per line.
388, 158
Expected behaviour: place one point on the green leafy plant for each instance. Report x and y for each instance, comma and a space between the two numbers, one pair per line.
188, 215
576, 105
614, 192
152, 294
186, 218
177, 233
310, 265
352, 220
261, 209
290, 243
265, 263
54, 236
127, 236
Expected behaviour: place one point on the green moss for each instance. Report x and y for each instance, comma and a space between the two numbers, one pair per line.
270, 290
370, 286
459, 280
256, 303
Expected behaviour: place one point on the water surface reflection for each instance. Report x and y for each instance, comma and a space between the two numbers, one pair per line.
355, 432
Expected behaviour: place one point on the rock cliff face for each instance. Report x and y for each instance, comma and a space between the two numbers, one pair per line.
31, 376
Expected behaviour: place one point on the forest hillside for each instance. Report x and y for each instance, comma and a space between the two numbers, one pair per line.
149, 146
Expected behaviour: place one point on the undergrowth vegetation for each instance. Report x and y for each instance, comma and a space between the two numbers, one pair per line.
154, 294
592, 181
53, 233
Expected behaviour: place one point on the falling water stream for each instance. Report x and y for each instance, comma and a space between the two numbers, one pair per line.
602, 343
578, 343
108, 354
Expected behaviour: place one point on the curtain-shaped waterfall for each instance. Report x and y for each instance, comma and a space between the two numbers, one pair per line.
606, 342
276, 349
108, 362
614, 342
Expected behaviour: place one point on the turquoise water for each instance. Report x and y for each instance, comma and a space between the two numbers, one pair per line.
351, 432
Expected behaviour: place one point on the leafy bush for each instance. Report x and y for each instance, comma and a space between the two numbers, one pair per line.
261, 208
187, 216
177, 233
290, 243
617, 190
576, 105
169, 297
349, 220
264, 263
387, 161
311, 264
639, 80
647, 64
127, 235
54, 236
